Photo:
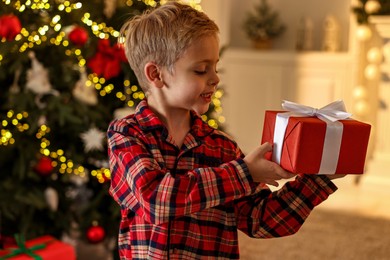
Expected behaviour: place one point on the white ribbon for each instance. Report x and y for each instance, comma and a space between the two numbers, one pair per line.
330, 114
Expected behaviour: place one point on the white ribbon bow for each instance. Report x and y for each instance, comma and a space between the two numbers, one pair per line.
333, 112
330, 114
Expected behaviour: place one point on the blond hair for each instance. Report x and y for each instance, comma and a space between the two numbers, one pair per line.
162, 35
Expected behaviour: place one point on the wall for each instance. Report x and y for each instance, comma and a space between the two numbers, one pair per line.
219, 11
290, 12
255, 81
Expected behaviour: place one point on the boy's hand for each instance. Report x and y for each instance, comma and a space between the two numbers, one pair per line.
336, 176
263, 170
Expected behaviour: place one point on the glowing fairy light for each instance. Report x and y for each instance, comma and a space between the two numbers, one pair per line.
102, 175
55, 19
151, 3
100, 30
6, 137
193, 3
15, 121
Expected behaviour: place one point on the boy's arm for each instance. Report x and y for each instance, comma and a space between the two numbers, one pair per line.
281, 213
138, 183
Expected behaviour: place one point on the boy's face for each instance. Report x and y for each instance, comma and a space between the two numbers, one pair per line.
194, 78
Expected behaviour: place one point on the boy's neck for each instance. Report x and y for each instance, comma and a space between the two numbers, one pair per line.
177, 121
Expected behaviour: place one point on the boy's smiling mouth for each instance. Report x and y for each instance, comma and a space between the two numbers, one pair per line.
207, 96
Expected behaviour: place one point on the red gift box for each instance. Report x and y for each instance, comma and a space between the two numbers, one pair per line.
46, 247
303, 143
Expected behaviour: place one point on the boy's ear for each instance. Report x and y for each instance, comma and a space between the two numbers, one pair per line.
153, 74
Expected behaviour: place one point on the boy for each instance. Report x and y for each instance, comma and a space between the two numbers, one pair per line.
184, 188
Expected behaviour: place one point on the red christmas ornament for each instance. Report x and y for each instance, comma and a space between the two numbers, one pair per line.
95, 234
107, 60
44, 166
10, 26
78, 36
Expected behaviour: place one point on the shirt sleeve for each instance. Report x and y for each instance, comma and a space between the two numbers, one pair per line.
281, 213
138, 182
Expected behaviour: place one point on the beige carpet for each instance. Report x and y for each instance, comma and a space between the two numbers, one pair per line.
325, 235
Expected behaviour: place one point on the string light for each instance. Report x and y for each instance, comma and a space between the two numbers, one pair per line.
371, 71
100, 30
102, 175
68, 7
193, 3
216, 101
6, 137
372, 6
363, 32
103, 89
40, 35
151, 3
15, 120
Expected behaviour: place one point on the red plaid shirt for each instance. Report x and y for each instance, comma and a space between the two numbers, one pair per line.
191, 201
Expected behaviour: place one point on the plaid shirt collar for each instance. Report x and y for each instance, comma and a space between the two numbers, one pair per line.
148, 121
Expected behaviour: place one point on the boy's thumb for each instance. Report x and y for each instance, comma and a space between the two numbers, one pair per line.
265, 148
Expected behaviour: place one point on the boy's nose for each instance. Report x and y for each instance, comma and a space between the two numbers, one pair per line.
214, 81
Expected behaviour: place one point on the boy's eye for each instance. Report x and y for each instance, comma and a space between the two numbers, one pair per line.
200, 72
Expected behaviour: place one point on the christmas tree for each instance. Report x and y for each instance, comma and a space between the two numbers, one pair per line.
263, 23
63, 79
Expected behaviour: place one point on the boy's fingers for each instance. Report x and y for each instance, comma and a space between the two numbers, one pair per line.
284, 174
265, 148
288, 175
273, 183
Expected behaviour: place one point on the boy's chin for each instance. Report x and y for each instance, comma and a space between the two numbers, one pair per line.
201, 109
